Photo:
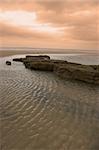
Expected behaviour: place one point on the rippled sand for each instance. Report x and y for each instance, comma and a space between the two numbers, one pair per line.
38, 111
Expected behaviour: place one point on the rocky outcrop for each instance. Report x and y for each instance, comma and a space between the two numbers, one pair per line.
64, 69
19, 59
78, 72
39, 57
30, 58
8, 63
43, 66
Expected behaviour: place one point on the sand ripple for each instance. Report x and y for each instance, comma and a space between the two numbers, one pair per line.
38, 111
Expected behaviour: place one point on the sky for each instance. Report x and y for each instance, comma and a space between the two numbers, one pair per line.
68, 24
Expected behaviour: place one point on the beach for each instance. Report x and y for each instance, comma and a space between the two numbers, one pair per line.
40, 111
49, 75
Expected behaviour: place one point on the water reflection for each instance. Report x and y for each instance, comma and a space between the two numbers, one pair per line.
38, 111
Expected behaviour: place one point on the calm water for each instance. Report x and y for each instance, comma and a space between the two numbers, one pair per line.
39, 111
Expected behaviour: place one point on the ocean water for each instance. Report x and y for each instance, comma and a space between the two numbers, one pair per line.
87, 59
40, 111
78, 58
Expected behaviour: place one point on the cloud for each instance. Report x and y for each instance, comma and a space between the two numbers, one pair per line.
13, 31
10, 34
76, 21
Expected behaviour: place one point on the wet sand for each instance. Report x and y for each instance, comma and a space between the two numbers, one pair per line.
41, 112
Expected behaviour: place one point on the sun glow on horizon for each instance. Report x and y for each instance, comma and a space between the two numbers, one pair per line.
27, 20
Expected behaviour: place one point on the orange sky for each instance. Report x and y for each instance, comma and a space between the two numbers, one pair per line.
50, 23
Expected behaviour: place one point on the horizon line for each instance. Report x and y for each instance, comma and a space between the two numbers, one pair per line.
22, 47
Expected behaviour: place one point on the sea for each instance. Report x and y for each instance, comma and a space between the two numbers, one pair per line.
40, 111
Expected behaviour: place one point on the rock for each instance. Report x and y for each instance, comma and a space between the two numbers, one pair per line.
18, 59
40, 57
39, 65
30, 58
8, 63
81, 73
64, 69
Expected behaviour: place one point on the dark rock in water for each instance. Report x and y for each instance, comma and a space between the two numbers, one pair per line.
78, 72
8, 63
31, 58
39, 57
43, 66
18, 59
64, 69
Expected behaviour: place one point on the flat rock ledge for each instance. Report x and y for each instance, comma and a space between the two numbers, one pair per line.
64, 69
